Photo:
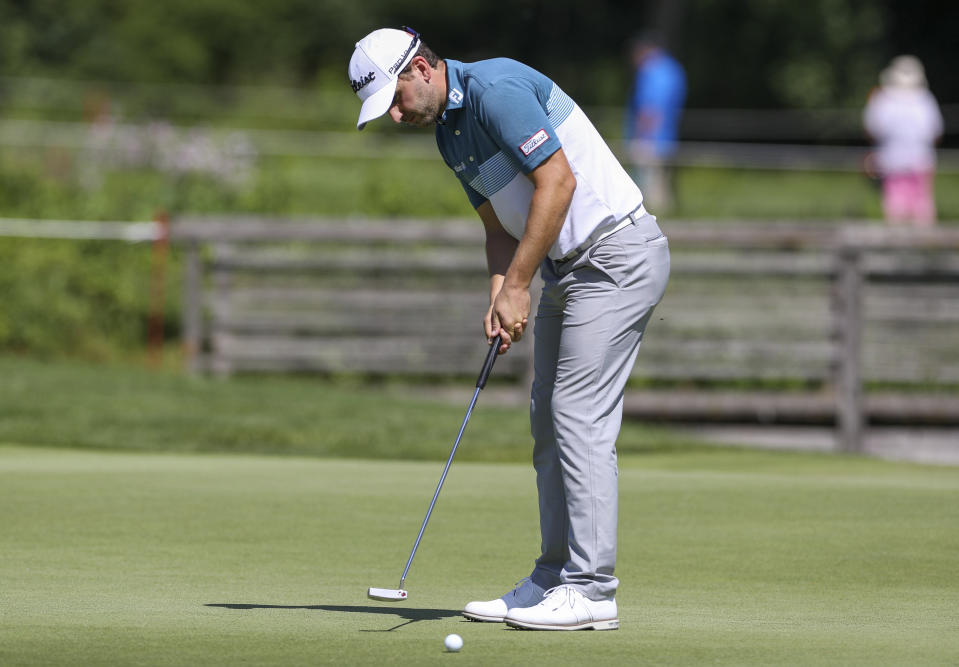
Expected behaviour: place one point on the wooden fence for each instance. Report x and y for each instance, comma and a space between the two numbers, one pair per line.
822, 323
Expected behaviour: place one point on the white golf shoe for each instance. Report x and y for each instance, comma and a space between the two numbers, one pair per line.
565, 608
524, 594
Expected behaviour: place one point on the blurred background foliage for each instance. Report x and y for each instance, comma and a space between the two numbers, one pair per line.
742, 53
115, 109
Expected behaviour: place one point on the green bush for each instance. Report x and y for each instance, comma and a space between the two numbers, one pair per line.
86, 298
92, 298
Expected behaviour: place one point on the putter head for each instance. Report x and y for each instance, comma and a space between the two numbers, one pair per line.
387, 594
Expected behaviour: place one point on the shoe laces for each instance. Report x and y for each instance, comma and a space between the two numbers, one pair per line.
562, 593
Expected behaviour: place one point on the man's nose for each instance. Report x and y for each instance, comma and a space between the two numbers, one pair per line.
396, 114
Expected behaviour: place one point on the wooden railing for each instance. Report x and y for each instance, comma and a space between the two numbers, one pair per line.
807, 322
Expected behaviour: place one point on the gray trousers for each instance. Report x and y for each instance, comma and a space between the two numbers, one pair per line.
588, 329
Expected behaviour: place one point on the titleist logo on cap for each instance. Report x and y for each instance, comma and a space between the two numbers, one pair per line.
362, 82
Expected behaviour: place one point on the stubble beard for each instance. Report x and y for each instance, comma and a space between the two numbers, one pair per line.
428, 113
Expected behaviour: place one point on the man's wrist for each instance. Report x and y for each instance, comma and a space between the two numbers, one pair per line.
517, 278
515, 285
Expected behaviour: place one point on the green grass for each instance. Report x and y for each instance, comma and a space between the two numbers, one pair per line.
745, 194
76, 404
770, 194
730, 558
153, 518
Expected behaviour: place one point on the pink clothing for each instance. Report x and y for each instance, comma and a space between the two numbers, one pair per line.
905, 123
909, 197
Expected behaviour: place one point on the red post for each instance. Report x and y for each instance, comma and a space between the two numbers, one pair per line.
158, 264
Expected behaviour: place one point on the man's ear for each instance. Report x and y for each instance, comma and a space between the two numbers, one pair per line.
421, 66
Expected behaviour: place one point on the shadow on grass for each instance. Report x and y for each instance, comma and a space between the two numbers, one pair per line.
412, 615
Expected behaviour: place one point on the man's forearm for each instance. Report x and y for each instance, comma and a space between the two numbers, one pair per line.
500, 248
513, 264
495, 285
542, 229
554, 184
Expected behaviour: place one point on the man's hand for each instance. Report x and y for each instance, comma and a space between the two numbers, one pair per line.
509, 316
512, 264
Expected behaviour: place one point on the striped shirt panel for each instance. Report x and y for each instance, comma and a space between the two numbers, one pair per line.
497, 171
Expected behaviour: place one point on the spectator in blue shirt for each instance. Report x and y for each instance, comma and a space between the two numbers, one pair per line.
653, 111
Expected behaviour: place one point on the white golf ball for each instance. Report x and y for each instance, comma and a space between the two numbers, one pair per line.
453, 643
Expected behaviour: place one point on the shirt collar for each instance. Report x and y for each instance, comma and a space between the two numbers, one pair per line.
454, 85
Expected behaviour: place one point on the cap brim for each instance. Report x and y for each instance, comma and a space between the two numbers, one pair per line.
376, 104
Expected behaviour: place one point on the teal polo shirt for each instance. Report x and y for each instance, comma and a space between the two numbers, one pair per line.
502, 120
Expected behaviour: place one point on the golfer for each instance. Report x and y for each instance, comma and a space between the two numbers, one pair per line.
552, 197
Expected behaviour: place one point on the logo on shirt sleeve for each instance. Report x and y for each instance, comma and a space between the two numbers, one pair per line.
534, 142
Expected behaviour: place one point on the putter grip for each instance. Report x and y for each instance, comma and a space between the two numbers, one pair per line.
488, 364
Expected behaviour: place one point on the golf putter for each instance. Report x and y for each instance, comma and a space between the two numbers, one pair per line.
399, 594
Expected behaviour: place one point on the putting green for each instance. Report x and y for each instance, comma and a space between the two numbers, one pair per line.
725, 557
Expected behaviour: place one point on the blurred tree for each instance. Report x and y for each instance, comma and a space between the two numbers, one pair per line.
768, 53
196, 41
742, 53
929, 30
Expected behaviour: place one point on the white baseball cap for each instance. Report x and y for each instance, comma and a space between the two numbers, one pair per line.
376, 63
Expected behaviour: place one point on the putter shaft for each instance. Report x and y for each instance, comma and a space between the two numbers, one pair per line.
439, 486
480, 383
